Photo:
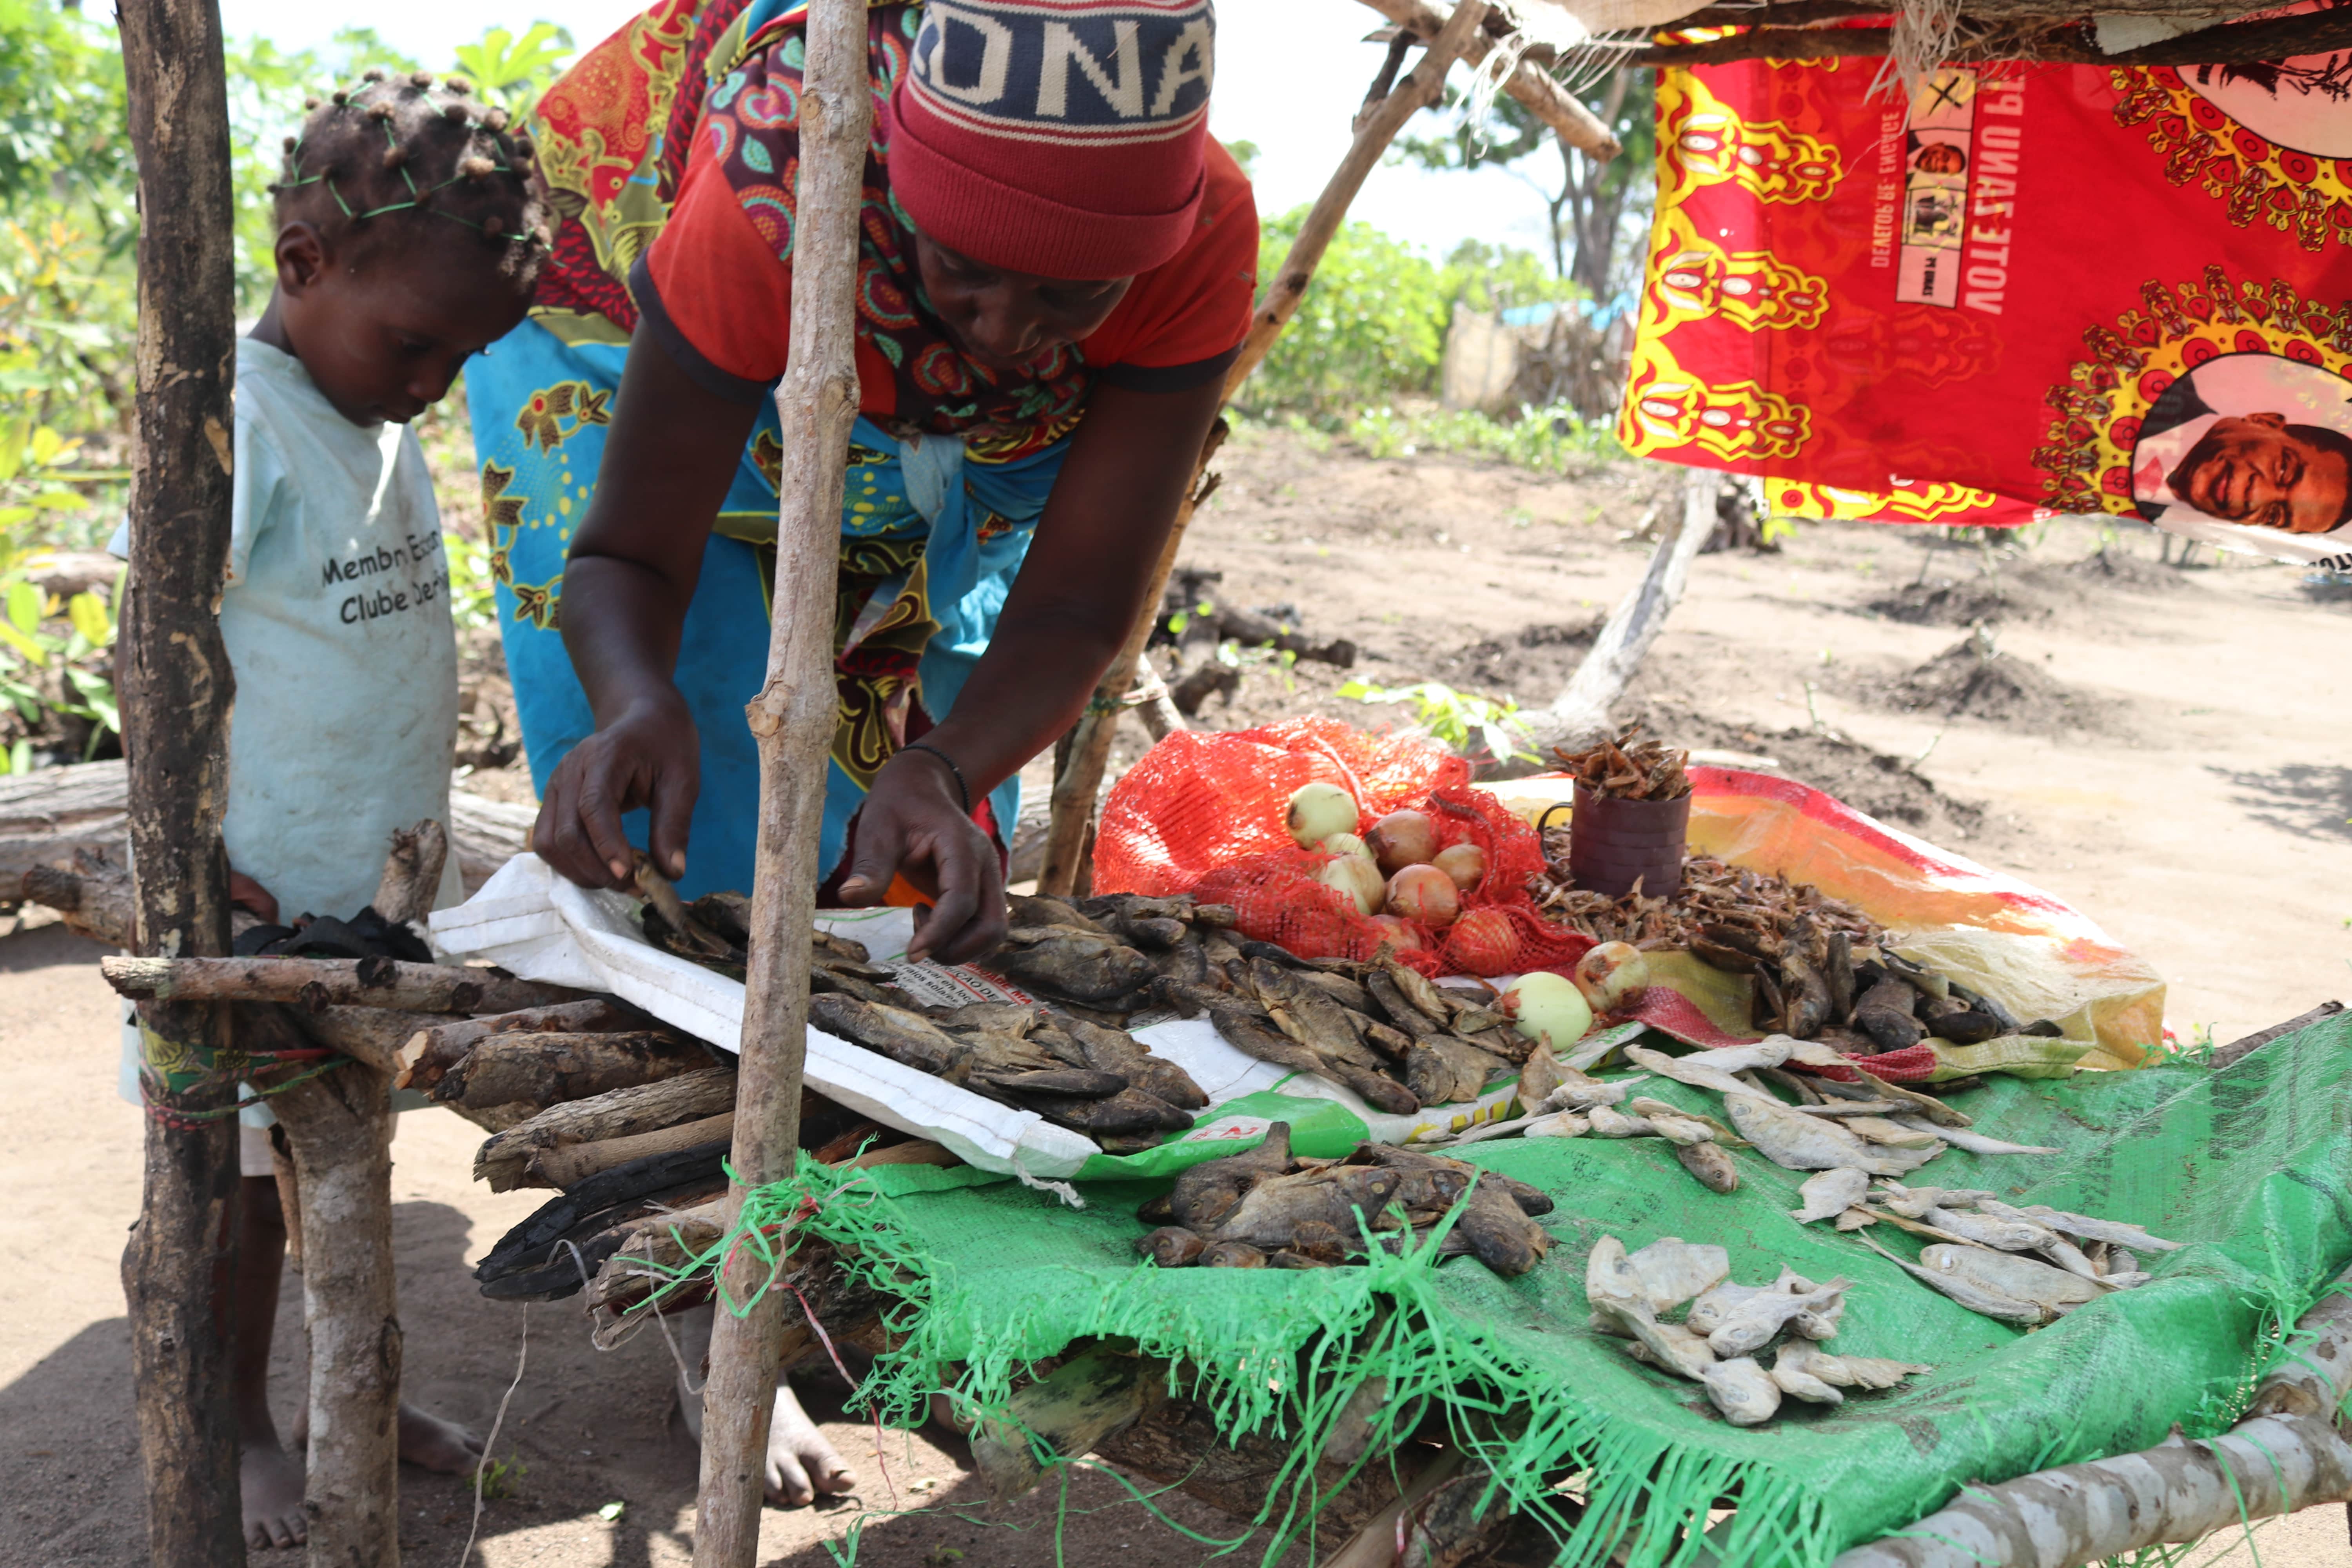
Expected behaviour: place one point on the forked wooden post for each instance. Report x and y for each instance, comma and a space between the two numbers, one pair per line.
1074, 791
793, 720
176, 691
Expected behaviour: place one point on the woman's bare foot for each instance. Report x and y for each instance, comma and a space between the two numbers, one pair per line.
269, 1481
800, 1463
427, 1441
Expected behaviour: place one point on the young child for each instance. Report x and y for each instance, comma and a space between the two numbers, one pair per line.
409, 239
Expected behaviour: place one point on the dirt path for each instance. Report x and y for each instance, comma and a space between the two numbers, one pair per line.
2158, 752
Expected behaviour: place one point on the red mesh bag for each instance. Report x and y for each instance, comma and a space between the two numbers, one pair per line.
1204, 814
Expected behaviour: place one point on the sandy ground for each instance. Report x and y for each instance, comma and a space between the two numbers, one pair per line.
2148, 745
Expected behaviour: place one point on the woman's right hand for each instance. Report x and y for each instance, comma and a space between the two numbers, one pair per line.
649, 756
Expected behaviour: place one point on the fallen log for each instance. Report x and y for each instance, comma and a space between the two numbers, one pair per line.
318, 983
47, 815
620, 1113
2239, 1049
571, 1163
95, 899
2285, 1456
439, 1045
553, 1068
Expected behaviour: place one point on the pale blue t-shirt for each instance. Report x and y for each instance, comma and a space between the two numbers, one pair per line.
335, 609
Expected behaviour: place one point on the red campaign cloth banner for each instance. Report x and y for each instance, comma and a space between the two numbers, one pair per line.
2044, 288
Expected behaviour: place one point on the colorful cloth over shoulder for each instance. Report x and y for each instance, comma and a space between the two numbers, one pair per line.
2044, 288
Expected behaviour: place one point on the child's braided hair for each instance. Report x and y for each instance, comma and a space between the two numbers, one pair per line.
395, 149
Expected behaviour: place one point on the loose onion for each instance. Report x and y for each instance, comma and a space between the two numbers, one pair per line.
1358, 879
1402, 838
1465, 863
1426, 894
1483, 942
1318, 811
1612, 974
1346, 844
1547, 1008
1398, 934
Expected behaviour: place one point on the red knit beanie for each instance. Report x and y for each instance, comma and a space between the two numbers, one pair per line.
1059, 137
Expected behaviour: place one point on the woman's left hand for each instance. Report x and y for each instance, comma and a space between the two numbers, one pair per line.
914, 824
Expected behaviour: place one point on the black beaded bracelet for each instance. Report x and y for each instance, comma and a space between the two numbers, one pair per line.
962, 789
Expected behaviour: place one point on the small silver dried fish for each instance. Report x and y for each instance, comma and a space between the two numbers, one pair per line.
1811, 1144
1894, 1134
1753, 1323
1831, 1193
1668, 1345
1847, 1370
1742, 1390
1855, 1219
1557, 1124
1791, 1369
1710, 1164
1974, 1143
1610, 1122
1670, 1270
1670, 1123
1695, 1071
2001, 1234
1968, 1294
2114, 1232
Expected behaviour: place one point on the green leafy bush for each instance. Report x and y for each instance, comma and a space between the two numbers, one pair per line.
1372, 324
1555, 439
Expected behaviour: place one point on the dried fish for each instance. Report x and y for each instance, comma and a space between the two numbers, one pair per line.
1913, 1203
1742, 1390
1710, 1164
1845, 1371
1855, 1219
1607, 1121
1670, 1270
1669, 1345
1831, 1193
1076, 963
1558, 1124
1892, 1134
1793, 1372
1798, 1142
1974, 1143
1751, 1324
2114, 1233
1670, 1123
1696, 1071
1170, 1247
1987, 1230
1943, 1114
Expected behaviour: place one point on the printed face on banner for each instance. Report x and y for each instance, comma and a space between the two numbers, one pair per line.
2252, 439
2295, 103
1945, 321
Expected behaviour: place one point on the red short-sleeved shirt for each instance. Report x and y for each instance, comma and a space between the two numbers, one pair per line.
727, 298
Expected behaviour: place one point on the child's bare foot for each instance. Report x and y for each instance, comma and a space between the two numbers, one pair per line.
433, 1444
269, 1481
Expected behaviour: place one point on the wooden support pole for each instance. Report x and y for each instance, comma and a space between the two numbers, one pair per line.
339, 1129
1570, 120
1079, 782
2286, 1454
176, 693
793, 719
1580, 712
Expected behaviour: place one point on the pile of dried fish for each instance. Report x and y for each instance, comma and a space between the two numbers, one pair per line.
1728, 1326
1267, 1208
1378, 1027
1627, 769
1076, 1074
1558, 1101
2022, 1265
1712, 893
715, 931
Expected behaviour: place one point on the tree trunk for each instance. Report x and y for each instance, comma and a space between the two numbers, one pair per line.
793, 719
2286, 1454
340, 1128
176, 693
1077, 783
1579, 714
318, 983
